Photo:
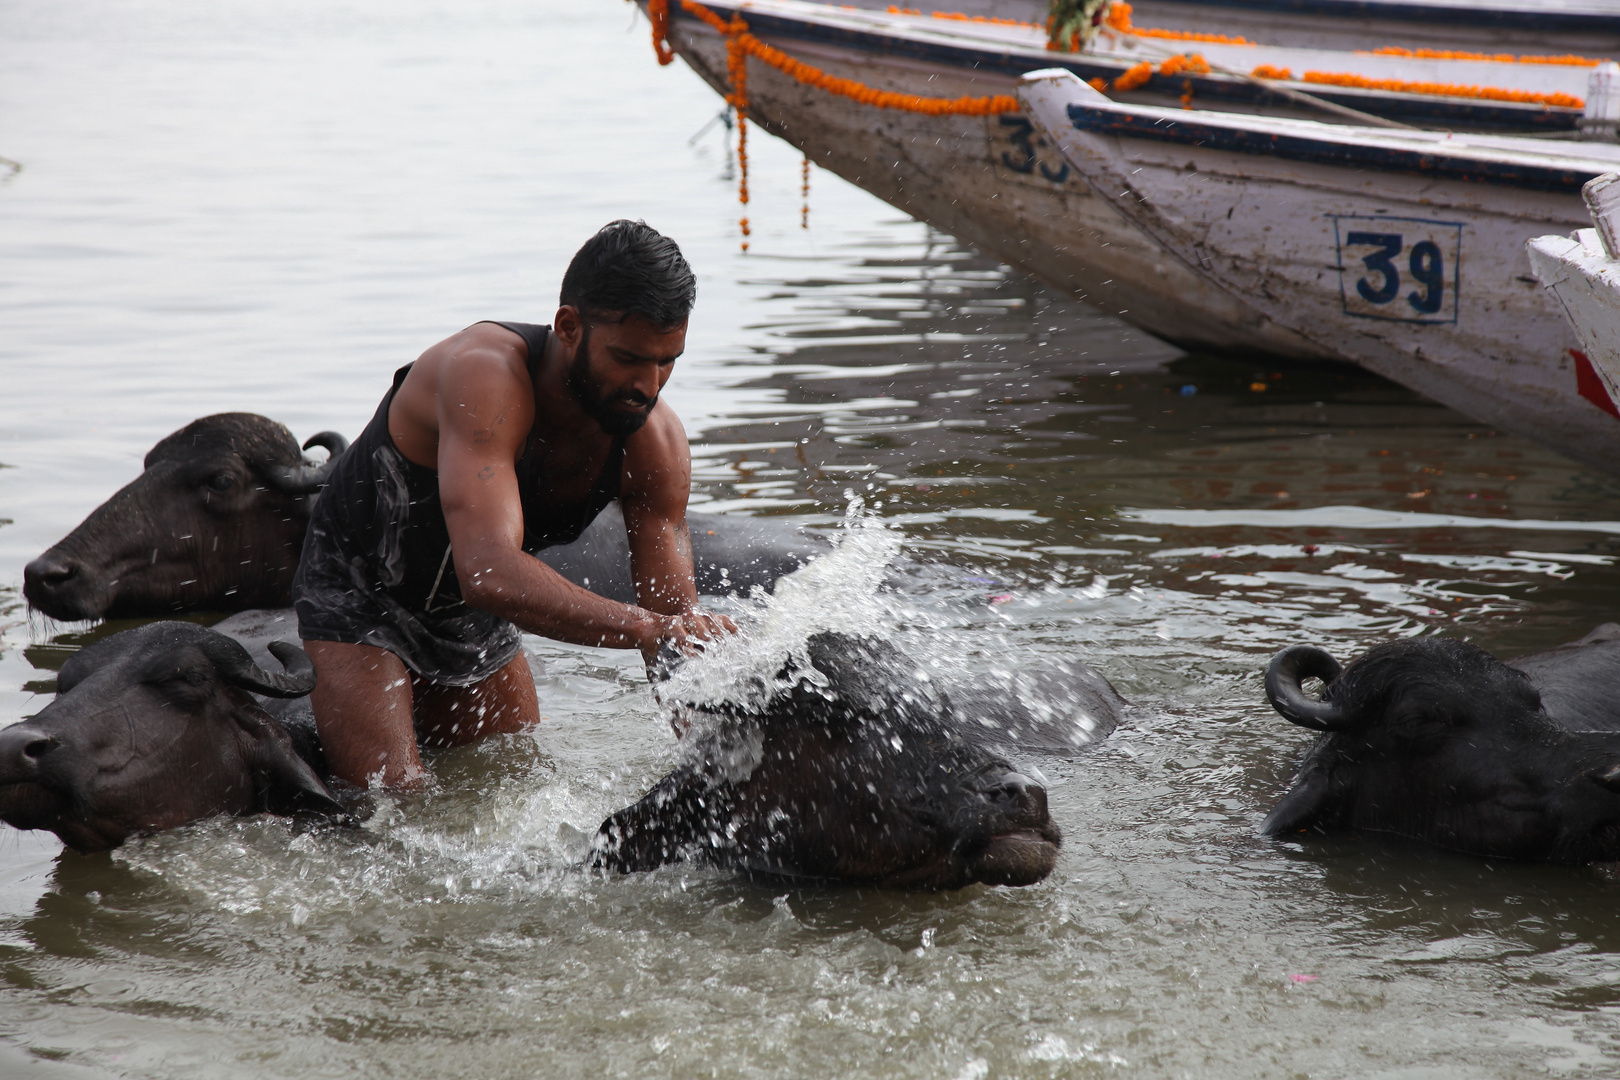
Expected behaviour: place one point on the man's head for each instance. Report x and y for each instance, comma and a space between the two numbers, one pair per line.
624, 304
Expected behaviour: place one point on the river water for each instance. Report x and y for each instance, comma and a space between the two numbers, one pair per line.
271, 206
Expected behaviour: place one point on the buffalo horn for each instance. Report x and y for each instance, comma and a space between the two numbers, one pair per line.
233, 662
305, 479
333, 443
1607, 778
1284, 676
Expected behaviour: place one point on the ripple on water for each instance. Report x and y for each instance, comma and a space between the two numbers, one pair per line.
306, 198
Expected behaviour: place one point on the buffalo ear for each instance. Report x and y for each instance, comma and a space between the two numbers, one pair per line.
84, 663
283, 782
1308, 805
1606, 778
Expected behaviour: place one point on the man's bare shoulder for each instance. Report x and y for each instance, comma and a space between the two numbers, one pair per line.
658, 459
482, 355
661, 438
473, 385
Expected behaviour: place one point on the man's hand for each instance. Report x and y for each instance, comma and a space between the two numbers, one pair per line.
686, 632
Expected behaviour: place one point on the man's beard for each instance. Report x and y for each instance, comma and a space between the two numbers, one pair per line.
590, 396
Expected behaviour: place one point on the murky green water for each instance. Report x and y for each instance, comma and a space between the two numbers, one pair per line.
272, 206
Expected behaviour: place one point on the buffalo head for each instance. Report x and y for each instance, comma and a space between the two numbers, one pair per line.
1438, 741
153, 728
215, 522
860, 773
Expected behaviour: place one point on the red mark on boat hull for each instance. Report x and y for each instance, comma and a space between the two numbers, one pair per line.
1590, 385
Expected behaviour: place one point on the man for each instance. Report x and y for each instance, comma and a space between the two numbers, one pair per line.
506, 437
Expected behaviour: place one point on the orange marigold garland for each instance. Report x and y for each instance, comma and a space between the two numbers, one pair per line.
1489, 93
737, 72
1138, 74
804, 193
741, 44
1190, 63
833, 84
658, 15
1134, 76
1500, 58
1119, 18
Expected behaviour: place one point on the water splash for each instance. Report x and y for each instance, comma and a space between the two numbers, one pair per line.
843, 591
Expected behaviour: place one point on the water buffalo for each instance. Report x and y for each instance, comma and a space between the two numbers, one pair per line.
215, 521
153, 728
866, 774
1436, 740
857, 771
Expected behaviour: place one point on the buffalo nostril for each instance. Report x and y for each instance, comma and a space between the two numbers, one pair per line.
21, 749
49, 572
1018, 790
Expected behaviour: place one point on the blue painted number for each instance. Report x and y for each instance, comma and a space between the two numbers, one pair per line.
1028, 160
1389, 246
1426, 268
1425, 264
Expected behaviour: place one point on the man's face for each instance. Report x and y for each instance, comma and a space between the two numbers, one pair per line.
619, 369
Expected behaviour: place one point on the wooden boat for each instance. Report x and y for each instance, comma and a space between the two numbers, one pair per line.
990, 55
1400, 251
1494, 346
1589, 27
1581, 271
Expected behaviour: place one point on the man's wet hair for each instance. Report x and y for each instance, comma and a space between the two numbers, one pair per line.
630, 269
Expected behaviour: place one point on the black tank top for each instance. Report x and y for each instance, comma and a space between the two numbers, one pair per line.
391, 515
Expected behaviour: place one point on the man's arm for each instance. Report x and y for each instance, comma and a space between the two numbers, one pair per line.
484, 413
652, 491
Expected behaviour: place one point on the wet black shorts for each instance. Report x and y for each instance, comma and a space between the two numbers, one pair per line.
355, 596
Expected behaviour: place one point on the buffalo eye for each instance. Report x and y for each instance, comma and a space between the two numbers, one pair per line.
179, 679
220, 482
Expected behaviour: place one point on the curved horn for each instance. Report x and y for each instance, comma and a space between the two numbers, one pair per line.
306, 479
334, 443
1287, 670
233, 662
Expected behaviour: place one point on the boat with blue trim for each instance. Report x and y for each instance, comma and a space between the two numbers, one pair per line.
1589, 27
1449, 213
1399, 251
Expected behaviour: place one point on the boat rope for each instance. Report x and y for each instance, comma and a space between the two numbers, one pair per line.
804, 193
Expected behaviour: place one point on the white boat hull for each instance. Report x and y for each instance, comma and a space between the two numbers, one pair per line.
1586, 283
1338, 236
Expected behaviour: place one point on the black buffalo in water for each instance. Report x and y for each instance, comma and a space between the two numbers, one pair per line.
866, 775
1436, 740
154, 728
857, 771
217, 520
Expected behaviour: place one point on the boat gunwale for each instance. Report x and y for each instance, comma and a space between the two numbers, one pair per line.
1515, 16
1331, 147
908, 43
